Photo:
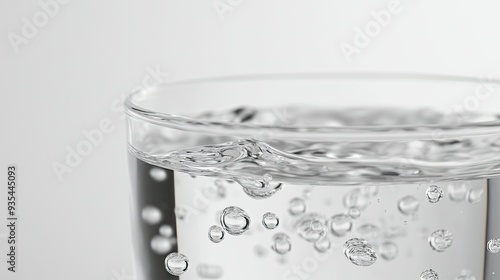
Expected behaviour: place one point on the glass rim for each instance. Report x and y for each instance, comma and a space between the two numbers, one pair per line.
316, 133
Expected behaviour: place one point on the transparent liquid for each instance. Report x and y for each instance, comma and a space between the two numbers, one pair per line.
408, 226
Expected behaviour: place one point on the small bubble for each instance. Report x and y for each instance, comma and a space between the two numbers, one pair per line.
281, 244
369, 191
166, 230
267, 178
176, 264
158, 174
475, 195
429, 275
440, 240
215, 234
494, 245
161, 244
340, 225
388, 250
151, 215
360, 252
235, 220
457, 191
408, 205
210, 271
270, 220
180, 212
322, 245
311, 227
434, 194
466, 275
297, 206
354, 213
357, 199
370, 232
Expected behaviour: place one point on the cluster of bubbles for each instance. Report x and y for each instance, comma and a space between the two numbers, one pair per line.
459, 192
314, 228
165, 241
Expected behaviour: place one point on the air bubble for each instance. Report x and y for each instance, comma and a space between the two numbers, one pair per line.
166, 230
475, 195
466, 275
176, 264
429, 275
281, 244
322, 245
360, 252
388, 250
434, 194
340, 225
161, 244
354, 213
215, 234
297, 206
180, 212
457, 191
210, 271
357, 199
151, 215
370, 191
408, 205
311, 227
494, 245
440, 240
370, 232
158, 174
235, 220
270, 220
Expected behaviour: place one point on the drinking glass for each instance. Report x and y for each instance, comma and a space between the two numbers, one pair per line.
316, 176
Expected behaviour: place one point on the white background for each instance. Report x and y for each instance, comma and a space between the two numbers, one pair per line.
74, 69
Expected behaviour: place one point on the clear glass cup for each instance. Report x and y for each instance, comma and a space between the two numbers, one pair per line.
406, 163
